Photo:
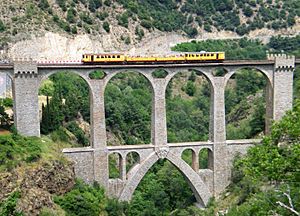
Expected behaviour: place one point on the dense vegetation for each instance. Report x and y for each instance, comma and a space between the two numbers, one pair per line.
97, 16
270, 173
15, 150
244, 48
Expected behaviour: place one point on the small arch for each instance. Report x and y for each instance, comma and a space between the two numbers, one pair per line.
115, 165
132, 159
159, 73
206, 160
191, 158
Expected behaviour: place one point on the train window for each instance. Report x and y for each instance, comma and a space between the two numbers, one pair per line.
211, 54
118, 56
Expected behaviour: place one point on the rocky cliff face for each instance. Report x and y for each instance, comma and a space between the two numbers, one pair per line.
37, 185
64, 29
55, 46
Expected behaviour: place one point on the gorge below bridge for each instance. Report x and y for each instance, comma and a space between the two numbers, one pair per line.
91, 163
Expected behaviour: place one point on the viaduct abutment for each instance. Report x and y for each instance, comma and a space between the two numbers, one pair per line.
91, 163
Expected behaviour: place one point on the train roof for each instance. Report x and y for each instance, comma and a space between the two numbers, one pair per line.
202, 52
103, 54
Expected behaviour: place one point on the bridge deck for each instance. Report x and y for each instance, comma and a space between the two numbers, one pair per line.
168, 65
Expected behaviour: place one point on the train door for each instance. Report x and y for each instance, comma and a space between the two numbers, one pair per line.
92, 58
217, 56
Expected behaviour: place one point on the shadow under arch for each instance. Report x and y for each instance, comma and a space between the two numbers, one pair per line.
137, 83
268, 91
200, 190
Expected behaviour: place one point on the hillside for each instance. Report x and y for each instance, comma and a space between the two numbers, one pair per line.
60, 29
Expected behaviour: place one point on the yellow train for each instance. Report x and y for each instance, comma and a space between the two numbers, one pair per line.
118, 58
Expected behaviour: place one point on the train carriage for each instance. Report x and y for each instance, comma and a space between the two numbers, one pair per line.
119, 58
103, 58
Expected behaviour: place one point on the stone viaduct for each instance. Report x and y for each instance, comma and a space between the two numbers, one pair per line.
91, 163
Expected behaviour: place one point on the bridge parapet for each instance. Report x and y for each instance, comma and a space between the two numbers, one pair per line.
178, 148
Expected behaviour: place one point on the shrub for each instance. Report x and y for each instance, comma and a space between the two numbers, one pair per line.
71, 15
15, 149
62, 4
207, 27
60, 135
8, 206
85, 17
102, 15
107, 2
7, 102
78, 132
190, 88
123, 20
139, 32
160, 73
127, 40
106, 26
43, 4
83, 200
146, 24
98, 74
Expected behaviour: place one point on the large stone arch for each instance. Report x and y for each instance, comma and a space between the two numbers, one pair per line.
267, 73
200, 190
207, 75
206, 72
144, 72
83, 75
